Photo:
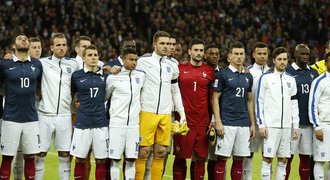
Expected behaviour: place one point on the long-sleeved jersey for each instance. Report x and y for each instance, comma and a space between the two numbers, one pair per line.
276, 101
124, 90
319, 101
56, 85
160, 89
256, 71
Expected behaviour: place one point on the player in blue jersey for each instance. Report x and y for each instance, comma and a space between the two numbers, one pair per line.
304, 76
233, 113
91, 127
20, 119
277, 113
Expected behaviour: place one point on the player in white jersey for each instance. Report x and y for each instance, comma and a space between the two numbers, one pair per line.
319, 115
55, 106
260, 55
124, 91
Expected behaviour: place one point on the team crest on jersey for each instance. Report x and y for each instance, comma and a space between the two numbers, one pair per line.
168, 69
69, 70
289, 85
312, 76
102, 78
137, 80
204, 74
33, 68
216, 81
247, 80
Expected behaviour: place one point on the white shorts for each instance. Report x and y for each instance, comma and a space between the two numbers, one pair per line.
256, 142
60, 127
85, 139
304, 143
277, 142
124, 139
14, 133
235, 142
322, 148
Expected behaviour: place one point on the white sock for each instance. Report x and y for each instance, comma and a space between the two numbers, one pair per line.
318, 170
64, 168
115, 169
280, 171
147, 173
327, 171
18, 165
40, 167
247, 169
130, 170
265, 171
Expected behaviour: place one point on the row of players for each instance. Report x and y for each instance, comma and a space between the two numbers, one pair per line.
234, 114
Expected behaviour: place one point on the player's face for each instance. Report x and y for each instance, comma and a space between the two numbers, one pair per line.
171, 47
21, 43
261, 56
177, 52
129, 45
196, 52
237, 56
302, 55
161, 46
281, 62
327, 64
59, 47
91, 57
82, 45
130, 61
212, 56
35, 49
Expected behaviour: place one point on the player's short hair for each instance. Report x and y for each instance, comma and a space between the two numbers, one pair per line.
160, 34
258, 45
301, 46
211, 46
34, 39
128, 51
15, 36
236, 44
56, 35
195, 41
124, 40
82, 38
326, 57
279, 50
92, 47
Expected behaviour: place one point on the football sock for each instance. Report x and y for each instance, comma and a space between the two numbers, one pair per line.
288, 167
247, 168
318, 171
140, 167
64, 168
130, 170
265, 171
107, 168
327, 171
79, 170
29, 168
304, 169
147, 173
100, 171
40, 167
280, 170
6, 167
199, 170
237, 169
210, 169
157, 166
18, 165
115, 170
192, 169
87, 165
179, 168
219, 169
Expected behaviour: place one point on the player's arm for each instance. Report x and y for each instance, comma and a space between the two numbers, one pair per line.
39, 84
251, 114
216, 110
313, 103
109, 88
294, 111
176, 95
259, 106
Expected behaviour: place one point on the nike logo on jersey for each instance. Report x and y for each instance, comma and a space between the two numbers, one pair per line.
230, 79
12, 68
83, 80
185, 72
295, 76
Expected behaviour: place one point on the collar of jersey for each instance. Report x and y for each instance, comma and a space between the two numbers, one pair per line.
15, 58
154, 54
232, 68
259, 66
100, 72
296, 67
